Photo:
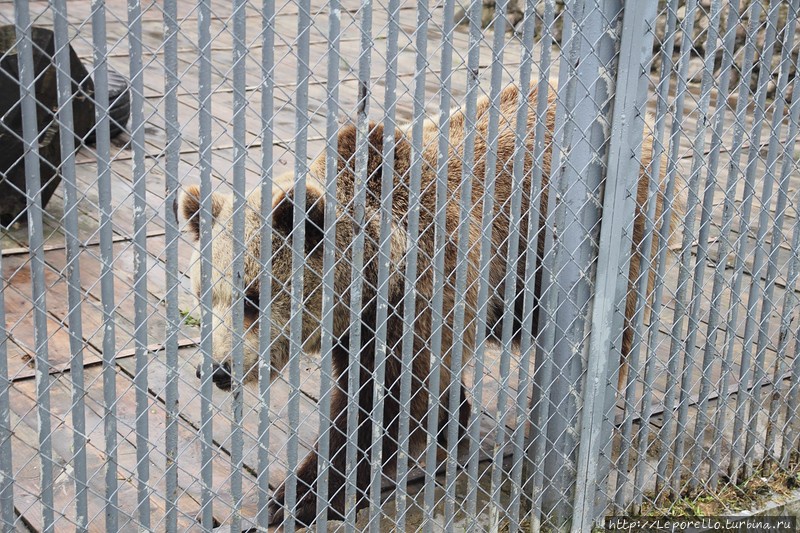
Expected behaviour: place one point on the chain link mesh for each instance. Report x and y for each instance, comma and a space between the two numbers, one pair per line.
323, 265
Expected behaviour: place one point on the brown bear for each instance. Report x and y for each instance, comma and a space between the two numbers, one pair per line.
222, 207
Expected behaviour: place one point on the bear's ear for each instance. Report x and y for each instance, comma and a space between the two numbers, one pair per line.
187, 205
347, 146
283, 216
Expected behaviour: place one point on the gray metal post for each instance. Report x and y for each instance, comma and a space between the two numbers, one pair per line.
620, 194
206, 301
328, 266
575, 177
24, 44
172, 238
139, 262
239, 58
265, 258
298, 255
411, 272
72, 245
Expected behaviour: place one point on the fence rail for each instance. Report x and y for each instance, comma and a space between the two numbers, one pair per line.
405, 265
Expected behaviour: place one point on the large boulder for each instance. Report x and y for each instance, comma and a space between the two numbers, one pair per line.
13, 193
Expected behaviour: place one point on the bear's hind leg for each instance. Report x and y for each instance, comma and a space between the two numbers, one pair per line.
463, 408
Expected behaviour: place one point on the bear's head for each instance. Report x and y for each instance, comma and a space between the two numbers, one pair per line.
188, 209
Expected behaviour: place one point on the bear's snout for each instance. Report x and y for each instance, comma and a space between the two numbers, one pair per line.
220, 375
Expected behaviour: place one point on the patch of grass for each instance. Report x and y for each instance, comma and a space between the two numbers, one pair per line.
188, 319
768, 482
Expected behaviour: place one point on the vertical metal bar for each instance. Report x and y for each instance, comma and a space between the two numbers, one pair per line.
662, 99
789, 441
30, 131
759, 112
487, 221
439, 225
510, 280
7, 517
643, 250
759, 374
710, 351
384, 261
790, 435
724, 248
789, 302
302, 120
519, 460
544, 383
102, 154
467, 156
172, 238
328, 264
353, 456
685, 275
238, 238
139, 261
539, 410
206, 300
789, 306
681, 89
621, 186
411, 272
265, 259
608, 435
72, 245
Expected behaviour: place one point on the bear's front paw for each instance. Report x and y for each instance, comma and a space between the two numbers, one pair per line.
275, 507
305, 511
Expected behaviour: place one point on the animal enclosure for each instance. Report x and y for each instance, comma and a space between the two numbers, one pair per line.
609, 267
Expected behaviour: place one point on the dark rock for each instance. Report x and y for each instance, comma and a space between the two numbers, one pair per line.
13, 194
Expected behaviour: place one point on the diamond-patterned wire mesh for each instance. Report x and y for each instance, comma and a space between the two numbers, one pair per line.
611, 281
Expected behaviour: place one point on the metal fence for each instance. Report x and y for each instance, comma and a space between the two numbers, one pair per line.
339, 271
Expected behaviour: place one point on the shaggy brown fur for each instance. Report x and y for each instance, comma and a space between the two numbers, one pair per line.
345, 235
